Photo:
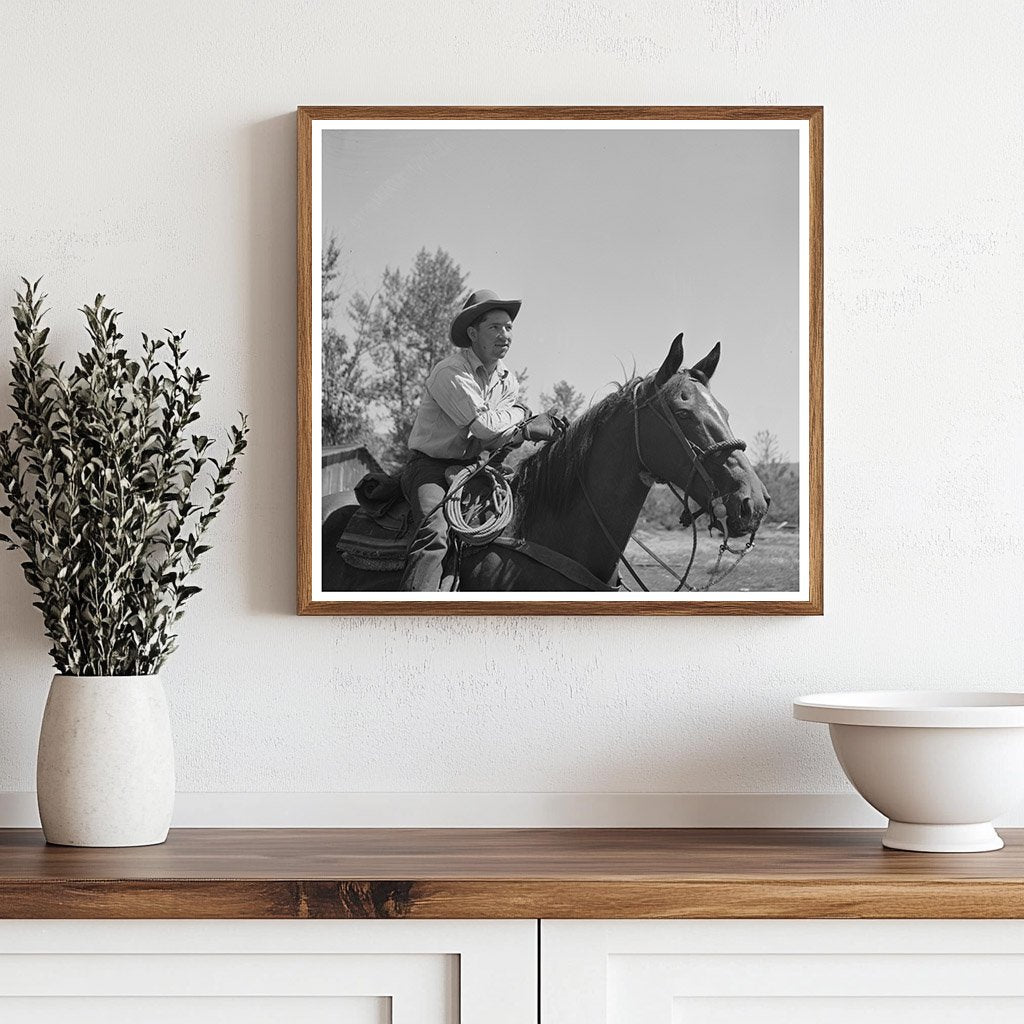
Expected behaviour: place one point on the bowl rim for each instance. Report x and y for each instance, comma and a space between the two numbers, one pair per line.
949, 709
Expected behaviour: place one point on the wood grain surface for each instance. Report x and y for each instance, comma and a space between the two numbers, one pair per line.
508, 873
305, 514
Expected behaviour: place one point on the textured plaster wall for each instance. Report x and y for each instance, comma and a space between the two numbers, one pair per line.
147, 151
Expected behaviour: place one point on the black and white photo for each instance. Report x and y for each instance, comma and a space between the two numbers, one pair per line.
560, 363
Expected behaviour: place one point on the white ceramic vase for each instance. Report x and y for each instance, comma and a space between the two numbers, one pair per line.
105, 771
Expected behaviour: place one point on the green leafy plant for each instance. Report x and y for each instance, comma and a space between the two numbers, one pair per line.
109, 495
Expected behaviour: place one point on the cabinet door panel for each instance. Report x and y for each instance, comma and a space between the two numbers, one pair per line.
725, 972
847, 1010
189, 1010
344, 972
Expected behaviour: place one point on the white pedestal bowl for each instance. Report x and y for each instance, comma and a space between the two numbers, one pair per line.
940, 766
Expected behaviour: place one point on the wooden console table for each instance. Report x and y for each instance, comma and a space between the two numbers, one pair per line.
493, 926
507, 873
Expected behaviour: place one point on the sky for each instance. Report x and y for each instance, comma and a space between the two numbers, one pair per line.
615, 240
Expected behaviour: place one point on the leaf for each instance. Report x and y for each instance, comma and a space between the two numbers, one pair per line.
97, 470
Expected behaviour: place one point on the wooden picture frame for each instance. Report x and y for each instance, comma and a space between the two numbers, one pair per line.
805, 295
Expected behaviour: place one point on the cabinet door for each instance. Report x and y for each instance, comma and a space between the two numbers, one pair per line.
782, 972
258, 972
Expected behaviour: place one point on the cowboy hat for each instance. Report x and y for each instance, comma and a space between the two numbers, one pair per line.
476, 305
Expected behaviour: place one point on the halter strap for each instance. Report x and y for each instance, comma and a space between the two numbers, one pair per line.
696, 455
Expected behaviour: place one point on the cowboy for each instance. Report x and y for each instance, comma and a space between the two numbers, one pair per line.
470, 404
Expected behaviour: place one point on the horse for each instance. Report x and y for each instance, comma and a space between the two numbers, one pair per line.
579, 496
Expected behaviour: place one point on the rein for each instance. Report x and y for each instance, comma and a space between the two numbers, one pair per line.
715, 509
490, 531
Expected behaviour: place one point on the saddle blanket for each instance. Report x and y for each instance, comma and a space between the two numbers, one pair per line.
378, 535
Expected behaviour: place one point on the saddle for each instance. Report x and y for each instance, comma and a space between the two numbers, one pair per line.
378, 535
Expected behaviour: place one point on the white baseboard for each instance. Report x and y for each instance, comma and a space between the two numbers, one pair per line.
495, 810
504, 810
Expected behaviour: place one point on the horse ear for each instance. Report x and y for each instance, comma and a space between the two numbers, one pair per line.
673, 361
709, 363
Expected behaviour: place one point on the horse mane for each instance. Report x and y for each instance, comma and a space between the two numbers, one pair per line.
548, 480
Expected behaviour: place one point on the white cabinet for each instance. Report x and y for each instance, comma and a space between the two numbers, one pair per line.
298, 972
782, 972
486, 972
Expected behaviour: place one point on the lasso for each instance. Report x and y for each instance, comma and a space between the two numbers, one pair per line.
495, 509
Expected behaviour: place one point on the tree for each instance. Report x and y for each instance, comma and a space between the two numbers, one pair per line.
402, 331
347, 391
767, 451
564, 400
780, 477
523, 377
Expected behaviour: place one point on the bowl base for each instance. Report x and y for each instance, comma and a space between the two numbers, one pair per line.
978, 838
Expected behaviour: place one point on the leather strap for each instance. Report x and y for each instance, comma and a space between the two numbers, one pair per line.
660, 408
611, 540
562, 564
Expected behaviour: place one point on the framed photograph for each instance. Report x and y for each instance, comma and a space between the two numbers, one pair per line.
560, 361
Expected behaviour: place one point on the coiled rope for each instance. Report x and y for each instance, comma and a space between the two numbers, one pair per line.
491, 511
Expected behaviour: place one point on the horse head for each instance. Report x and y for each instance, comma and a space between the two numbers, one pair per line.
683, 436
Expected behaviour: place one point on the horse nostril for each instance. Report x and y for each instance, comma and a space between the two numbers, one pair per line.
767, 501
746, 507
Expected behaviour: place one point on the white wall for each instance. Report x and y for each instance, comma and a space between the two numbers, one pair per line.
148, 152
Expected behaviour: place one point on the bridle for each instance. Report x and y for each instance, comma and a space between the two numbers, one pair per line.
714, 509
698, 456
490, 532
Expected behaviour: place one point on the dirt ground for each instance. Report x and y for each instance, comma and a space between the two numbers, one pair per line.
772, 565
